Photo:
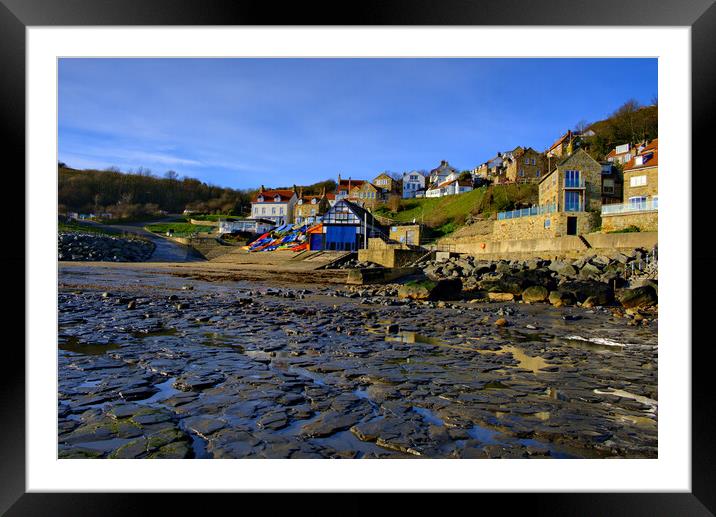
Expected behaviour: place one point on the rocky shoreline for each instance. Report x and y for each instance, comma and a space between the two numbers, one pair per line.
78, 246
193, 369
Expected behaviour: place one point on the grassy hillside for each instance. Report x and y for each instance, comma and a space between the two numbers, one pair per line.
443, 215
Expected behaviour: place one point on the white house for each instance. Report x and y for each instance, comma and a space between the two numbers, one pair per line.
413, 183
274, 205
440, 173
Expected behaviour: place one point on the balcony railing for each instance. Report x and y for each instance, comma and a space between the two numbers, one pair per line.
574, 183
619, 208
524, 212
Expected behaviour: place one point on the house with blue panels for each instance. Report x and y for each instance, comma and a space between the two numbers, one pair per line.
346, 227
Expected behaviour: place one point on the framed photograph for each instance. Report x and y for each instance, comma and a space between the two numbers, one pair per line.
423, 242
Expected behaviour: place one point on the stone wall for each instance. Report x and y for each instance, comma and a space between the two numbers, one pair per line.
400, 234
550, 248
646, 221
543, 226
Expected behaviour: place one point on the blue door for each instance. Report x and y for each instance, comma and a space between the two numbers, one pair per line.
341, 238
316, 241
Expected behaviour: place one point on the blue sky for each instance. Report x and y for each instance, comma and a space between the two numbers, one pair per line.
244, 122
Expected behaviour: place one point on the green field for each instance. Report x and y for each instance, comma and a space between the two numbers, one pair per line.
180, 229
444, 215
77, 226
213, 217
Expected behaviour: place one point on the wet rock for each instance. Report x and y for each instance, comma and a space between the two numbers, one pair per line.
203, 425
500, 297
329, 423
501, 322
561, 298
581, 290
535, 293
638, 297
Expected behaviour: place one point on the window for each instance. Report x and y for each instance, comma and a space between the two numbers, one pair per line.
572, 179
655, 202
263, 210
572, 201
522, 172
538, 173
527, 161
280, 210
534, 161
637, 181
547, 223
637, 203
273, 209
608, 186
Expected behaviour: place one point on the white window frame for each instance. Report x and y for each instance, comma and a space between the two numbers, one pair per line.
638, 181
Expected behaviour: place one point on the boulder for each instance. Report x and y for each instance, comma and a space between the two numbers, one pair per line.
563, 268
581, 290
500, 297
535, 293
443, 289
561, 298
644, 296
503, 283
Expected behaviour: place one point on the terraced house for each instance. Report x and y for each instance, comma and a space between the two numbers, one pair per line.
523, 166
641, 193
344, 187
309, 209
367, 195
274, 204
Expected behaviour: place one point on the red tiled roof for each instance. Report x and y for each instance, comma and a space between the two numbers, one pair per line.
353, 183
560, 140
652, 148
330, 196
270, 194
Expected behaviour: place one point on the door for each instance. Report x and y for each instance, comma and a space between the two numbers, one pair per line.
571, 226
316, 241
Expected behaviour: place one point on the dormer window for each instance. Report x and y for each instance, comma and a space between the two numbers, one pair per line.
261, 199
276, 199
313, 201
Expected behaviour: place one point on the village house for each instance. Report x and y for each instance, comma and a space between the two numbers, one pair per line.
386, 183
440, 173
641, 193
575, 185
523, 166
344, 187
413, 184
274, 204
492, 168
562, 146
612, 184
453, 185
309, 209
641, 182
621, 154
367, 195
346, 227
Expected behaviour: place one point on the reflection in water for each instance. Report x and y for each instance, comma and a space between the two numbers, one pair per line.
75, 345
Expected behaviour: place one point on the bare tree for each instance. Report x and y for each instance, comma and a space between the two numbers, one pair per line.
581, 126
171, 175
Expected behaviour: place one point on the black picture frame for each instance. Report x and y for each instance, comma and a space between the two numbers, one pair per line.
700, 15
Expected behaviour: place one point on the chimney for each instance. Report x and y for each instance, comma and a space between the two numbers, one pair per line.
261, 189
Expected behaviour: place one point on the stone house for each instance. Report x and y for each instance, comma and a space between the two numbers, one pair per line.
406, 234
344, 187
574, 187
641, 180
413, 184
276, 205
309, 209
386, 183
523, 166
367, 195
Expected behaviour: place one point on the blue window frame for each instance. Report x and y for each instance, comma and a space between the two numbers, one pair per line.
571, 179
572, 201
